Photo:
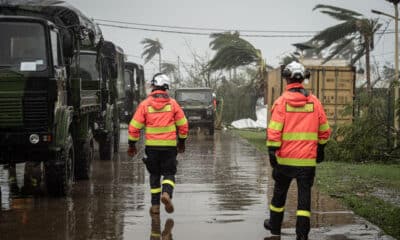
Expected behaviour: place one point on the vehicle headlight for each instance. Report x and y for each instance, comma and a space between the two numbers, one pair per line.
34, 138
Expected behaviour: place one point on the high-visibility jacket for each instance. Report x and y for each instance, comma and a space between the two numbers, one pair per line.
161, 117
298, 124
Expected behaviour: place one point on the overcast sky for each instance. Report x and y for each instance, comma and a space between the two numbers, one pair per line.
287, 15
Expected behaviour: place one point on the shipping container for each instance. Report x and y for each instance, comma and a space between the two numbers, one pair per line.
333, 85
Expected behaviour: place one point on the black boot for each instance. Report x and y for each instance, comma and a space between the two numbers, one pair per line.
268, 226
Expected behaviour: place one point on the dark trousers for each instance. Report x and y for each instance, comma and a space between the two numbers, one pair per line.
283, 176
161, 161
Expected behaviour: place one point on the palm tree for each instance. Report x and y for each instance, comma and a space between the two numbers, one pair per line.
355, 29
168, 68
151, 48
233, 51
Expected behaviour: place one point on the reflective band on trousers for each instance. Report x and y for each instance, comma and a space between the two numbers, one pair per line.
169, 182
299, 136
303, 213
275, 125
297, 162
166, 108
155, 190
276, 209
155, 130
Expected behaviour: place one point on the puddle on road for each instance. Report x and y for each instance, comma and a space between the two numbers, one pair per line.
221, 193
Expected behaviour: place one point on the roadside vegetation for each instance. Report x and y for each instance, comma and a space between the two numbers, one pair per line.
370, 189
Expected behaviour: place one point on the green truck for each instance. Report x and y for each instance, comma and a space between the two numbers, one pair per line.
61, 88
197, 103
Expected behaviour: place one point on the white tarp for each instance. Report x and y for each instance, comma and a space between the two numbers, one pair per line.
261, 114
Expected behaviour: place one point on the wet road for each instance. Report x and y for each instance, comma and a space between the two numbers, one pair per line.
221, 193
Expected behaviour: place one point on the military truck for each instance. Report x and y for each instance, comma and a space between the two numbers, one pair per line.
197, 103
135, 90
53, 98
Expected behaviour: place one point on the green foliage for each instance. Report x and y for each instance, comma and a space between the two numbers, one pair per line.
368, 138
239, 100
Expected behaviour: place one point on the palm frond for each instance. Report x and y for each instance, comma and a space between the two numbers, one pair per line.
332, 34
168, 68
223, 39
337, 9
339, 16
151, 48
338, 49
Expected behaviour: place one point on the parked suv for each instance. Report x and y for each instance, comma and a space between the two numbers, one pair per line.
197, 103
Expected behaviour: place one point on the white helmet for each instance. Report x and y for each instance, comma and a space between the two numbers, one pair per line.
161, 80
295, 70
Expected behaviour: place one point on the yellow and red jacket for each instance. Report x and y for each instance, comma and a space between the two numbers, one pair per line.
161, 117
298, 124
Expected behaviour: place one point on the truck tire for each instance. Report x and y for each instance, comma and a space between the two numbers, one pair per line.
83, 166
106, 147
60, 171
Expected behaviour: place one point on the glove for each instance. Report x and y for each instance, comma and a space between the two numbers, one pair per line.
320, 153
132, 151
181, 147
272, 157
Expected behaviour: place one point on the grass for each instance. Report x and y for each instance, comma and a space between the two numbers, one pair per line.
354, 185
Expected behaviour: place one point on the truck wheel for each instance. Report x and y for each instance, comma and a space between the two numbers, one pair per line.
60, 171
116, 136
83, 167
106, 147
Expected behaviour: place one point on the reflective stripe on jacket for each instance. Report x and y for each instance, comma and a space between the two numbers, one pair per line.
298, 123
161, 117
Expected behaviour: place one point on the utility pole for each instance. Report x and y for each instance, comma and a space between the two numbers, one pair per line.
396, 59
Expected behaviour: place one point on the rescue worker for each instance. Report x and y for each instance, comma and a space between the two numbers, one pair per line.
161, 117
296, 137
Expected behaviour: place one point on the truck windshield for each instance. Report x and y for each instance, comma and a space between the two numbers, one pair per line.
23, 46
192, 96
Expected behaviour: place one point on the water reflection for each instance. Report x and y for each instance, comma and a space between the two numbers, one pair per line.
95, 209
156, 232
233, 167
